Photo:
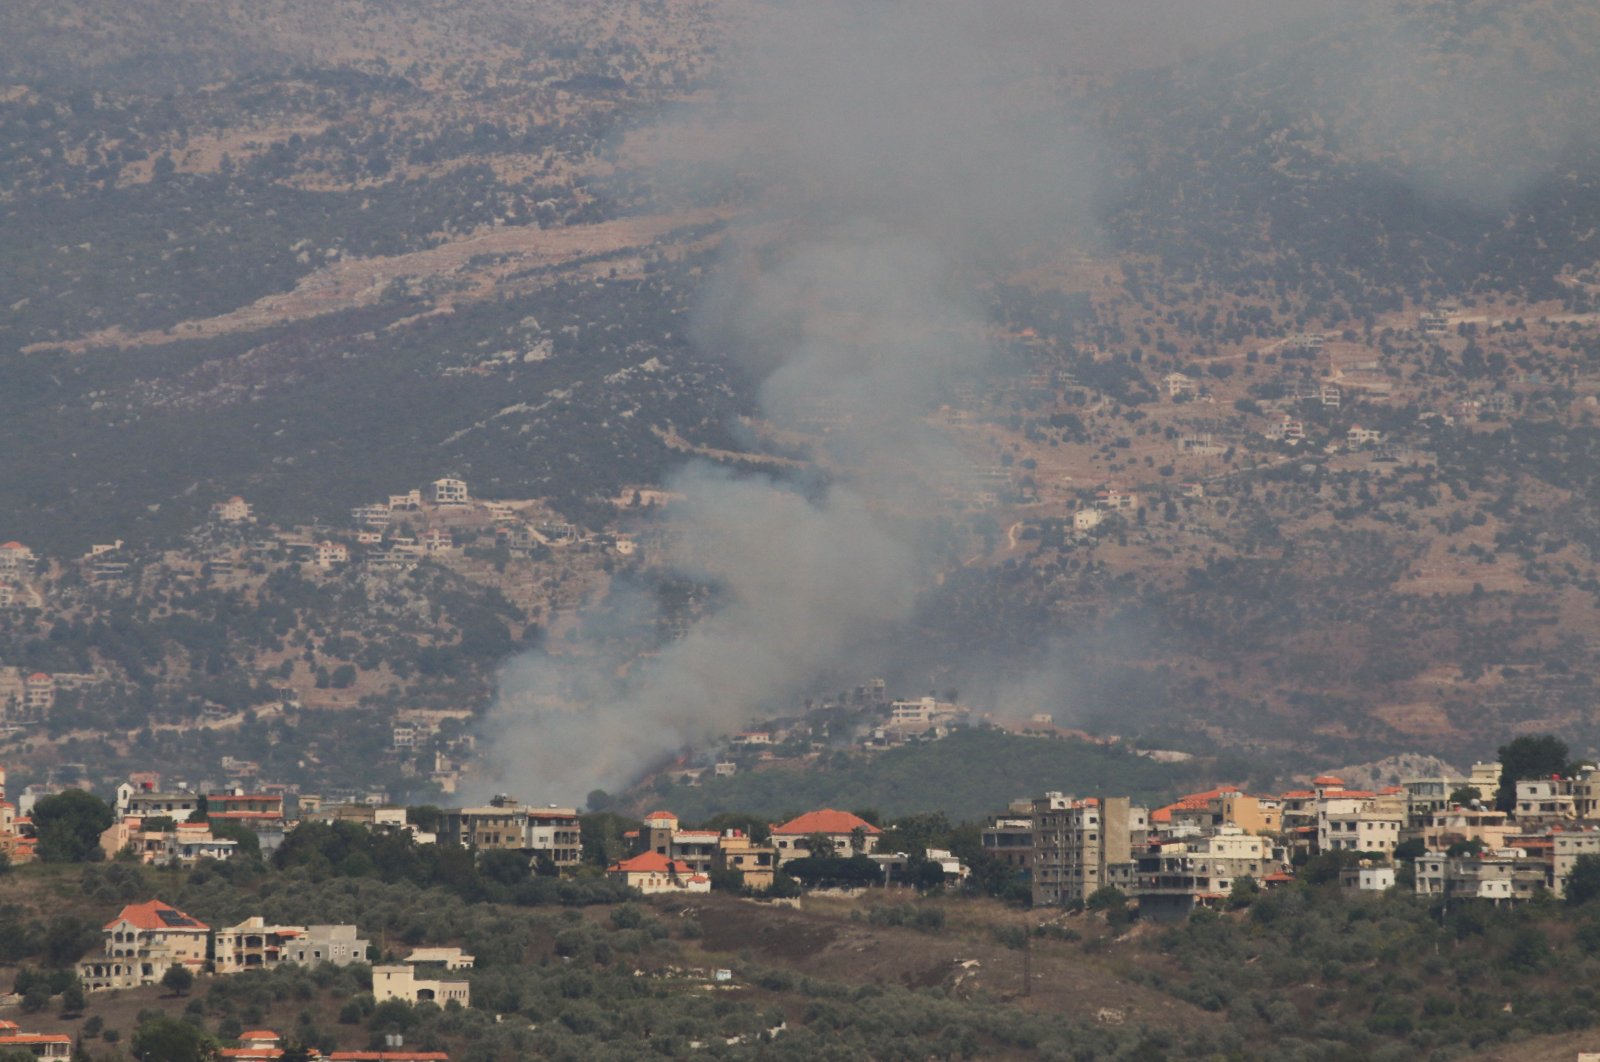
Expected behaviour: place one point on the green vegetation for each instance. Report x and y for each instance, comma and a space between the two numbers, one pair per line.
967, 775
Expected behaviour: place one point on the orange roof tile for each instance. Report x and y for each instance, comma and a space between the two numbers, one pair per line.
648, 863
1297, 794
826, 821
157, 915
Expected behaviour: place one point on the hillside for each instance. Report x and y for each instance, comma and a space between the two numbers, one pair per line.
318, 254
965, 776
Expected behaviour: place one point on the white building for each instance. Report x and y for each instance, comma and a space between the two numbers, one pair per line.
401, 982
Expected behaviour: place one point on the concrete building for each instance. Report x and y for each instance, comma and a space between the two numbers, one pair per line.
757, 864
13, 1041
848, 834
449, 958
1083, 845
449, 492
1566, 847
653, 873
401, 982
556, 834
1501, 876
1545, 800
1009, 837
1175, 875
141, 944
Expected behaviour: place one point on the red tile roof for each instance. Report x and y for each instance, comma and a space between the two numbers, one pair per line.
648, 863
1297, 794
826, 821
158, 915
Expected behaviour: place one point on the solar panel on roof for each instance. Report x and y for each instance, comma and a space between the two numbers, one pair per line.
176, 919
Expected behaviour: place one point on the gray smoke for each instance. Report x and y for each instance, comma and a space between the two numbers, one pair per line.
893, 156
896, 150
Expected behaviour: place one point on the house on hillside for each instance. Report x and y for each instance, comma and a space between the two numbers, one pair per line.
13, 1041
141, 944
401, 982
848, 834
653, 872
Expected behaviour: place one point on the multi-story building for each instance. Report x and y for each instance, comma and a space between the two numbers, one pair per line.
1502, 876
756, 863
184, 844
1545, 800
1009, 837
1177, 874
1348, 823
504, 824
1456, 824
1083, 845
555, 833
500, 824
847, 834
254, 945
142, 944
1566, 847
449, 492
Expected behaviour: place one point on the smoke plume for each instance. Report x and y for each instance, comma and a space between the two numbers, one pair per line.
895, 150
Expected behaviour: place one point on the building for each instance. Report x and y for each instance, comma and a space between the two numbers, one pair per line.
1566, 847
1087, 519
1456, 824
16, 559
756, 864
501, 824
1009, 837
653, 872
1354, 822
847, 834
260, 813
233, 511
555, 834
1545, 800
449, 492
183, 844
449, 958
1367, 878
921, 714
402, 982
143, 800
254, 945
330, 554
1083, 845
1176, 875
39, 695
13, 1041
142, 944
1503, 875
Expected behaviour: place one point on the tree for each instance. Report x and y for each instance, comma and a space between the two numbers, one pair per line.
72, 999
1583, 883
69, 825
248, 841
178, 980
164, 1039
1243, 893
1466, 795
1528, 757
